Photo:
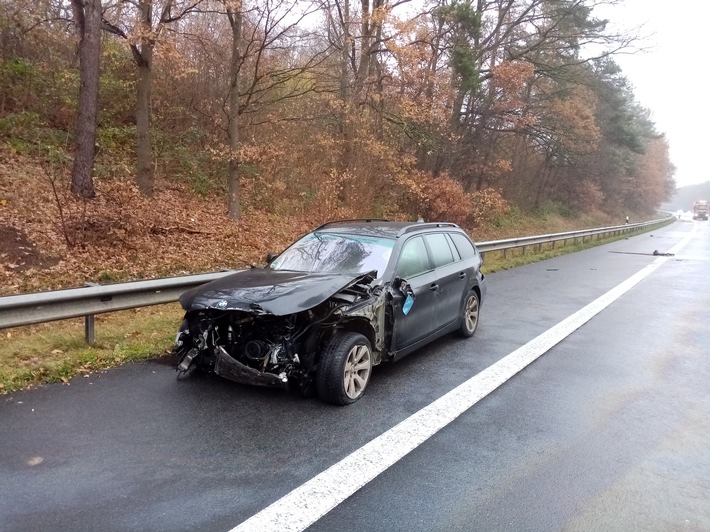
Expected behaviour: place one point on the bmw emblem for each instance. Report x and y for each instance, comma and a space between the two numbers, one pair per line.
222, 303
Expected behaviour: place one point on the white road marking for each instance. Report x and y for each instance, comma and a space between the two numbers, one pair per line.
309, 502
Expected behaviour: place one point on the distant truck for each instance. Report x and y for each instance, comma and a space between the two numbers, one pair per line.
701, 210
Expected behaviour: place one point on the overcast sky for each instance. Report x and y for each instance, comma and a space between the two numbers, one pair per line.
671, 78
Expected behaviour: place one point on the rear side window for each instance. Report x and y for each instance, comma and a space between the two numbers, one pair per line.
440, 250
463, 244
414, 259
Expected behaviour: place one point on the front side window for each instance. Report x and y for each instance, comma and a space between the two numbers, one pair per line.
333, 253
414, 258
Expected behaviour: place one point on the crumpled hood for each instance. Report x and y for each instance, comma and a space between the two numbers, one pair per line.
276, 292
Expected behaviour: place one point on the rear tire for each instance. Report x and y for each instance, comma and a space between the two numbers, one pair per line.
344, 368
471, 311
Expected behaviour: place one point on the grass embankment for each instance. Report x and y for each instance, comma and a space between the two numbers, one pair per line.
55, 352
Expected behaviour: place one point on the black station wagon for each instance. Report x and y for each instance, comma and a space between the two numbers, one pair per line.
345, 297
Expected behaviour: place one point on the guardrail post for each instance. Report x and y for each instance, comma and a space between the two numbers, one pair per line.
89, 325
89, 329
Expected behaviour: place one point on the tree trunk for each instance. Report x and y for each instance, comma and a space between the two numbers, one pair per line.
88, 19
233, 200
143, 55
456, 111
345, 89
545, 173
376, 72
347, 96
365, 38
344, 52
145, 178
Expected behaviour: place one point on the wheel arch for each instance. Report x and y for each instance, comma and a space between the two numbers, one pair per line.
477, 289
363, 326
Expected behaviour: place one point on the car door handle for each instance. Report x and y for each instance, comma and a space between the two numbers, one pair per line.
434, 287
462, 275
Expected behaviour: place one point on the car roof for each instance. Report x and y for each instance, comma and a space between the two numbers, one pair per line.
382, 228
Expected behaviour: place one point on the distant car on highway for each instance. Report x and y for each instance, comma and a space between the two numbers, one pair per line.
345, 297
701, 210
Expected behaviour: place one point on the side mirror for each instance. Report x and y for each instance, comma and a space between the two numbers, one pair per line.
406, 290
403, 286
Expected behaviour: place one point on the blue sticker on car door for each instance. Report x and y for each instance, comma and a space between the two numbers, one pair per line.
407, 305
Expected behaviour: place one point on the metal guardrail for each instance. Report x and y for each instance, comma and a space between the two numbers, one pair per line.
523, 242
40, 307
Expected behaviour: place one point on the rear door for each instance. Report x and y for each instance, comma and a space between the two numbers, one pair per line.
451, 277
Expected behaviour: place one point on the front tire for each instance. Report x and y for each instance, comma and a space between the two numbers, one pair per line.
344, 368
471, 311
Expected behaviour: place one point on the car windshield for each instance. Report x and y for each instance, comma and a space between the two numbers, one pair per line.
333, 253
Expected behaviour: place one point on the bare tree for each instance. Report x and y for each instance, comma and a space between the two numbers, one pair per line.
357, 33
234, 14
144, 37
87, 17
263, 71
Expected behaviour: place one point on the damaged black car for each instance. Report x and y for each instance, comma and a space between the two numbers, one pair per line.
340, 300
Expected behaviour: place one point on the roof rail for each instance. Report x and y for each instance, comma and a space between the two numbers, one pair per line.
426, 225
360, 220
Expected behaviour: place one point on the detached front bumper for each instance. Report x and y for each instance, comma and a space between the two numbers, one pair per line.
227, 367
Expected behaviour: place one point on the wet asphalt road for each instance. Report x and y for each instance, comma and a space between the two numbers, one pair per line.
609, 430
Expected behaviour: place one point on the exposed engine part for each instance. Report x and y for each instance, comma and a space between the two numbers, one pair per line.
266, 349
274, 355
186, 361
256, 350
229, 368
